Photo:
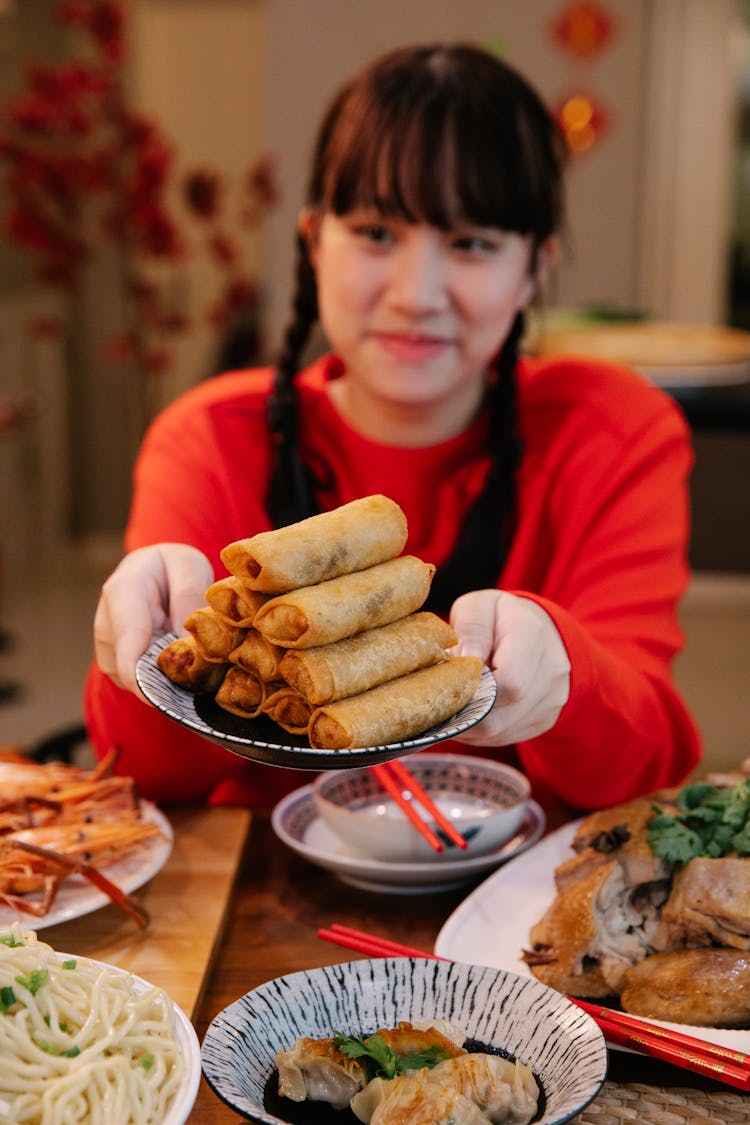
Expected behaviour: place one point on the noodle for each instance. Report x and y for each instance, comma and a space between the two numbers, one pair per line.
80, 1042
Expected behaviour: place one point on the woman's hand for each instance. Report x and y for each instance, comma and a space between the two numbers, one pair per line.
518, 640
151, 591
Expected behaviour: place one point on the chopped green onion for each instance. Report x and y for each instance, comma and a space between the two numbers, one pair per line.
7, 998
147, 1062
51, 1049
69, 964
35, 980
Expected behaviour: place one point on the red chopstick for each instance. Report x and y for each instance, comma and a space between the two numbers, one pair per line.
662, 1046
369, 943
396, 780
402, 774
636, 1025
685, 1051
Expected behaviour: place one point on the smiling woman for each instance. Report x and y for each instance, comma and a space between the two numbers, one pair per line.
549, 495
420, 314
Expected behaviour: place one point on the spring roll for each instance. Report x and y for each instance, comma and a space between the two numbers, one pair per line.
242, 693
215, 636
350, 538
234, 600
288, 708
258, 655
182, 663
345, 606
358, 663
399, 709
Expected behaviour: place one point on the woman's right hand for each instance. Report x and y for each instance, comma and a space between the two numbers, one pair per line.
150, 592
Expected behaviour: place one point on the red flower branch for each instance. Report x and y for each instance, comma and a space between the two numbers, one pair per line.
81, 166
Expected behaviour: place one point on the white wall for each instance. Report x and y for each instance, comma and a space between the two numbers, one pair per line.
198, 67
683, 232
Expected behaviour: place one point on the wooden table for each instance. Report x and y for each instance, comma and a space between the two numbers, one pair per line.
279, 903
232, 909
187, 903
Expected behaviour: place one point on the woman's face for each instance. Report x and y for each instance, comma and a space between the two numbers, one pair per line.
416, 313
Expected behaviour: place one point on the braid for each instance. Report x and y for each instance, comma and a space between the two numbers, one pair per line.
290, 492
487, 530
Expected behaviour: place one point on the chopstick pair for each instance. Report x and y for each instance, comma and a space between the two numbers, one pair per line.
397, 781
685, 1051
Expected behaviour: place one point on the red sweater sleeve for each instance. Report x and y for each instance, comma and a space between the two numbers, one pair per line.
187, 489
612, 589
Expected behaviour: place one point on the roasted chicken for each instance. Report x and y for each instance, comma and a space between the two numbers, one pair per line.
627, 923
707, 987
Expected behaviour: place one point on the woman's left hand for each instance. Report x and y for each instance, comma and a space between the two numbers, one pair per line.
519, 642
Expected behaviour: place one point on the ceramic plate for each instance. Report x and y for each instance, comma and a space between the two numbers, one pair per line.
77, 896
296, 822
501, 1010
259, 739
491, 926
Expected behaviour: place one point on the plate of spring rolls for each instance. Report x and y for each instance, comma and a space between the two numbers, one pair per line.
314, 652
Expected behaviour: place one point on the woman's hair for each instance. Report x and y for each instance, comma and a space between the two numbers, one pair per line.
444, 135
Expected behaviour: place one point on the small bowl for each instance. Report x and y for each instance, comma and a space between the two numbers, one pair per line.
518, 1016
484, 800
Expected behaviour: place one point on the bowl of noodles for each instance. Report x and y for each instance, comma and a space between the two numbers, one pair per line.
81, 1040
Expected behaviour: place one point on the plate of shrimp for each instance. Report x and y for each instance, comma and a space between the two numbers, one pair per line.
73, 840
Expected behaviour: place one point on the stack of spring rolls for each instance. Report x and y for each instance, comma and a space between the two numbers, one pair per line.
318, 627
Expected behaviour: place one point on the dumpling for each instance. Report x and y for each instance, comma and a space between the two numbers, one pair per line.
413, 1100
412, 1038
505, 1091
448, 1028
318, 1070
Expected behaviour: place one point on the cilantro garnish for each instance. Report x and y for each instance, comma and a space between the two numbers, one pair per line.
710, 821
380, 1060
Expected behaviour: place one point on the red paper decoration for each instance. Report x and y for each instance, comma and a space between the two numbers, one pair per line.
583, 28
583, 121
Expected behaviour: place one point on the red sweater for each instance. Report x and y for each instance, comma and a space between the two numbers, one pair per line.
600, 543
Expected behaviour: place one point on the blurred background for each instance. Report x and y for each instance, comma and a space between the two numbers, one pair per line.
152, 161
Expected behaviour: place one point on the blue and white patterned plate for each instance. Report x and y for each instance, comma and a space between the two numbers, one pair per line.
500, 1010
259, 739
298, 824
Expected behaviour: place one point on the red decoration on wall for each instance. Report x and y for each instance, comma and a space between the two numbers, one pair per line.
584, 27
583, 121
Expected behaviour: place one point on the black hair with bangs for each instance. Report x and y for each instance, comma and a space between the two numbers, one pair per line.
444, 134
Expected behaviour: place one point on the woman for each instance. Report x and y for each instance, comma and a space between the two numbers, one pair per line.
551, 495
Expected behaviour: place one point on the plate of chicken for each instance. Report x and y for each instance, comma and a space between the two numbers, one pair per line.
643, 906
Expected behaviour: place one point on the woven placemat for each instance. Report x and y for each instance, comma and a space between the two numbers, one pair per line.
617, 1103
